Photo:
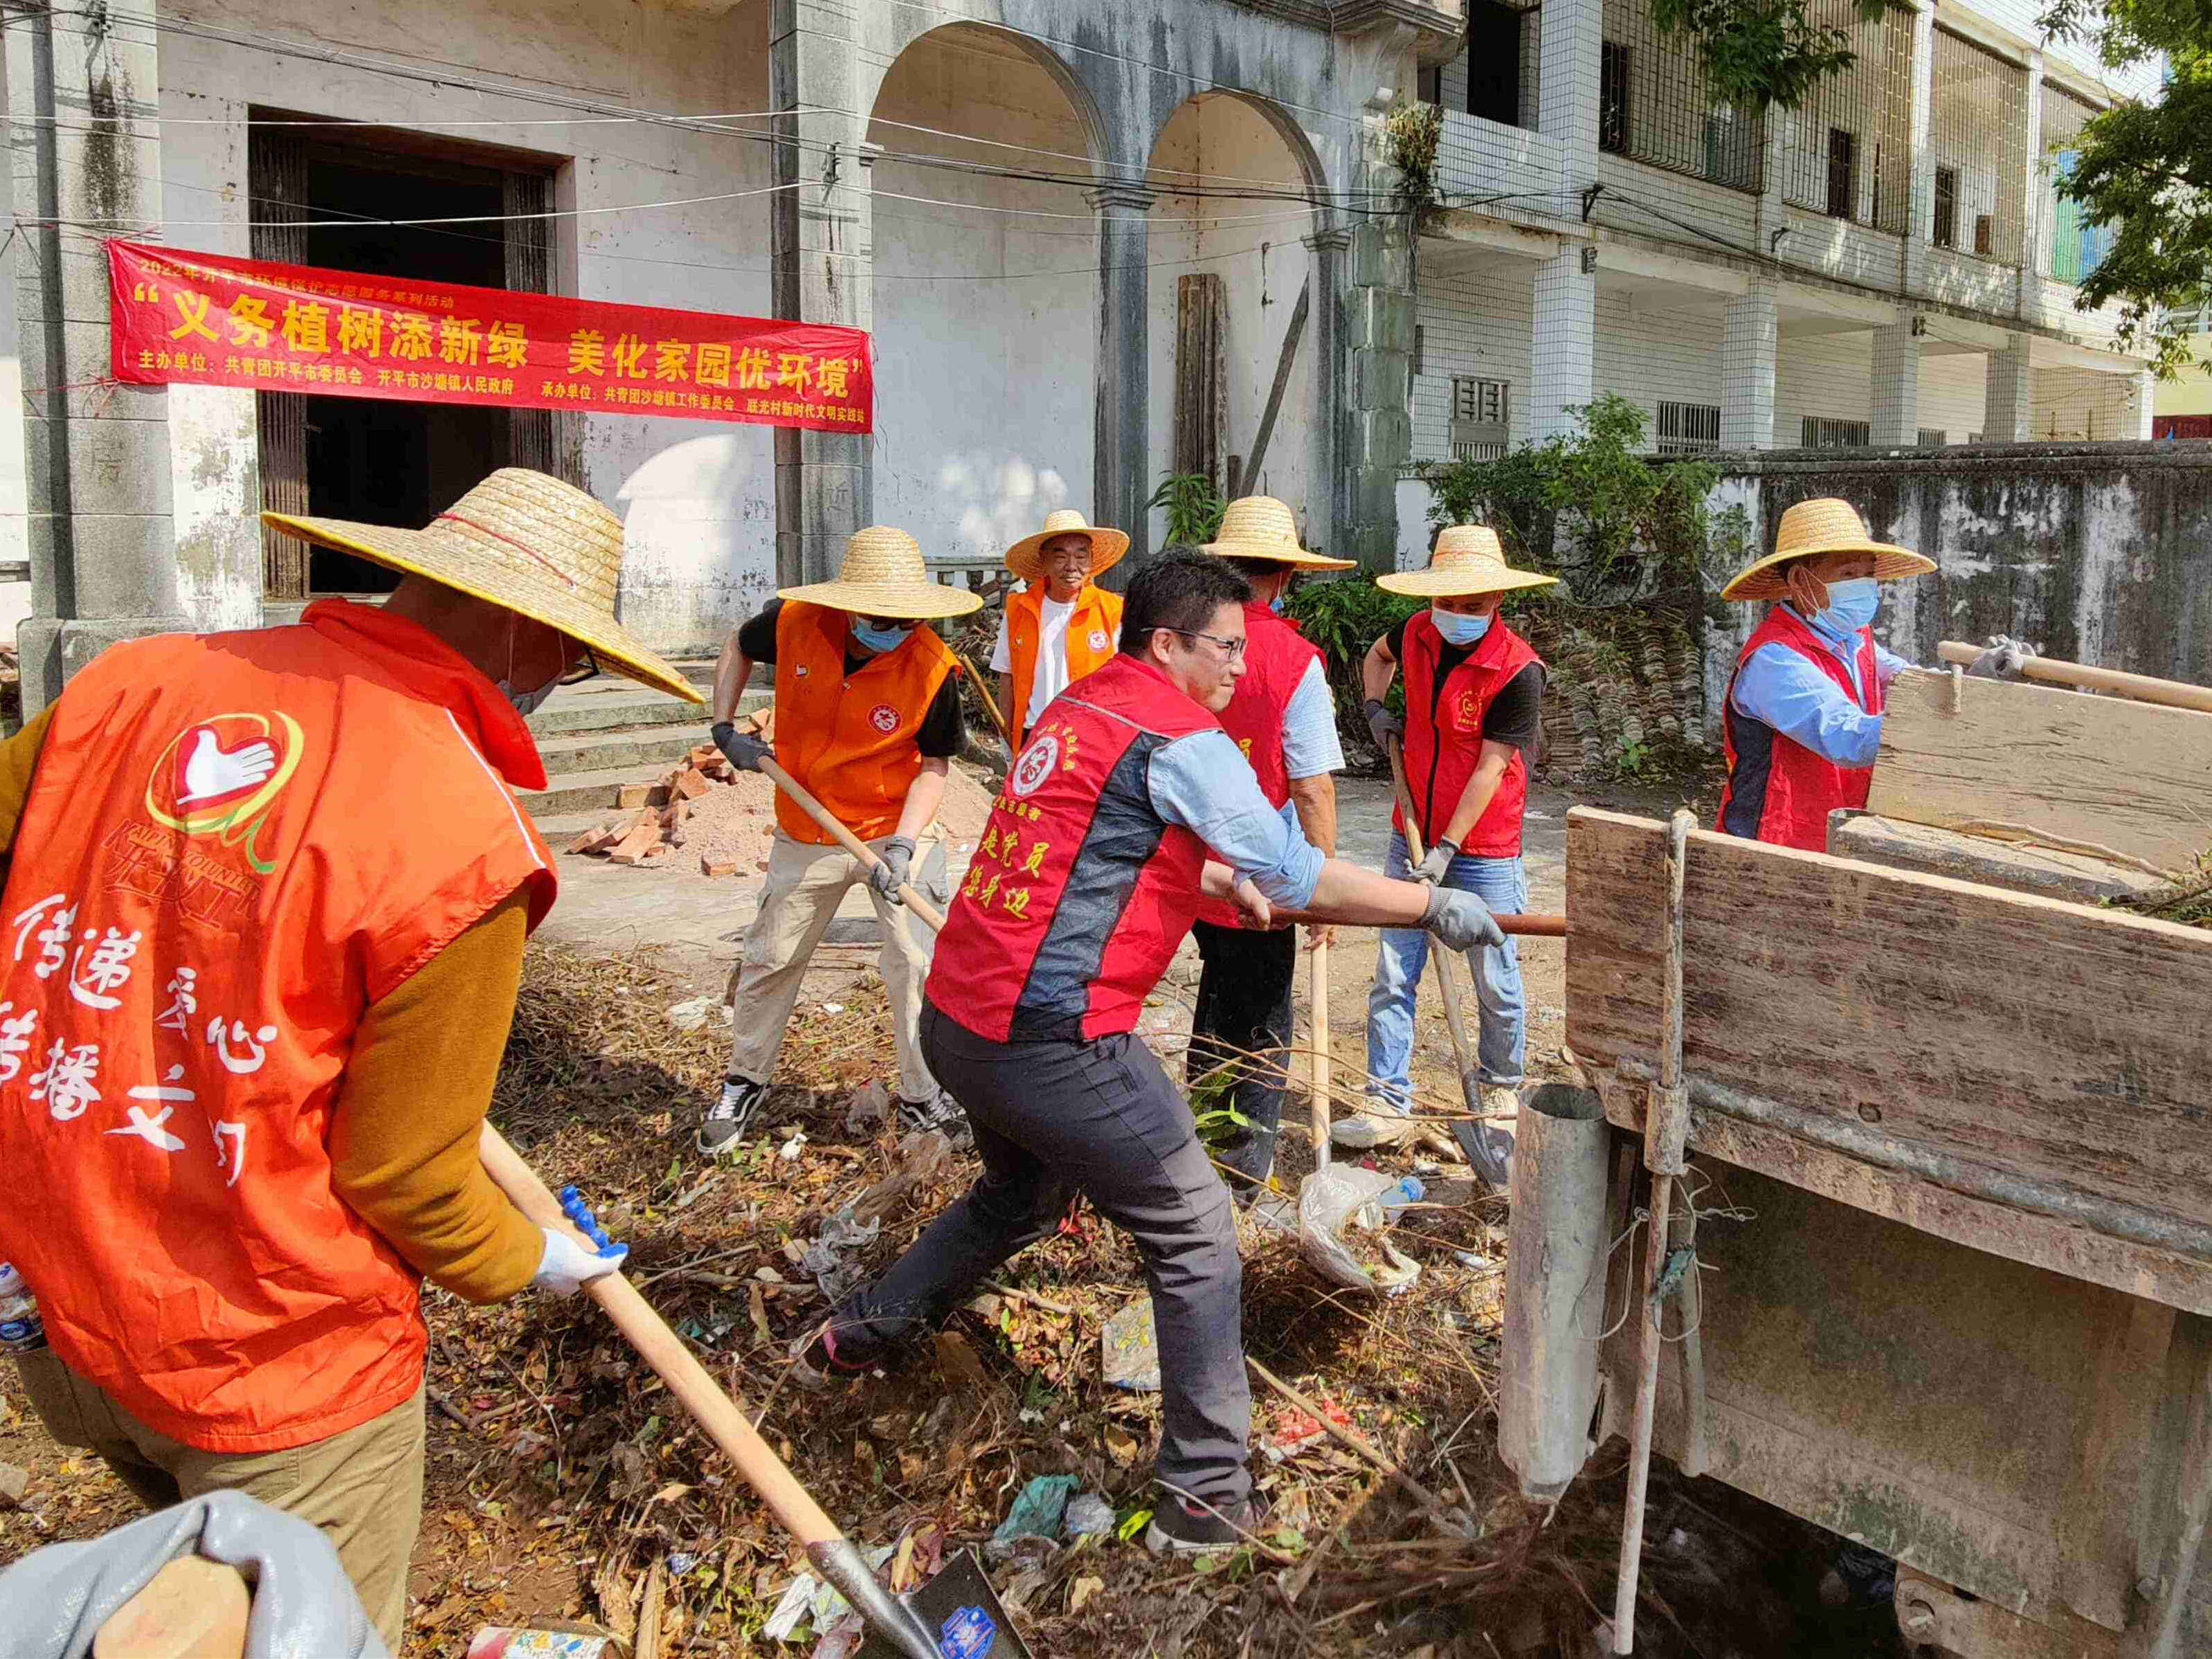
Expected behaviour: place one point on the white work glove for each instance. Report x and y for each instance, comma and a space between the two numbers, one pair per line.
1460, 920
2005, 659
567, 1267
1432, 868
889, 871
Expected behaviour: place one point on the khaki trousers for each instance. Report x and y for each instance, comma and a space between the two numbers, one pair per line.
806, 884
363, 1487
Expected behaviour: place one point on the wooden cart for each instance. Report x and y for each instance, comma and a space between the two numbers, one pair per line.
1963, 1311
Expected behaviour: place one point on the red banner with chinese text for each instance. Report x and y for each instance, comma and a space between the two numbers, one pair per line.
207, 319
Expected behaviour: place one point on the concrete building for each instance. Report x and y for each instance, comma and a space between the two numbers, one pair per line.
1010, 193
1889, 265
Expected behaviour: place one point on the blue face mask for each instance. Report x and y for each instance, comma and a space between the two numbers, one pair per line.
1276, 604
1851, 604
1458, 630
869, 637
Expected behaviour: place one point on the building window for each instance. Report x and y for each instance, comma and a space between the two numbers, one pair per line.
1946, 206
1481, 418
1934, 437
1819, 432
1685, 428
1493, 62
1985, 234
1429, 85
1612, 66
1843, 173
1420, 348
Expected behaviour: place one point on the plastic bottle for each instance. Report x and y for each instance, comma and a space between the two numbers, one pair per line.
22, 1330
1408, 1191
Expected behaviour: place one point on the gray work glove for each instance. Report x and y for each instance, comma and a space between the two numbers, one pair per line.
2005, 659
745, 750
1382, 723
1431, 869
1460, 920
889, 873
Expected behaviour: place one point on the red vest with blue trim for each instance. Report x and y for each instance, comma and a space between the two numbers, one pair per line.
1778, 790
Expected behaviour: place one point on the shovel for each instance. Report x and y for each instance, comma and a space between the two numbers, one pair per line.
1486, 1146
958, 1604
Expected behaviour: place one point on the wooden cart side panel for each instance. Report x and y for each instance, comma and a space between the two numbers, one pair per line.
2128, 775
2012, 1033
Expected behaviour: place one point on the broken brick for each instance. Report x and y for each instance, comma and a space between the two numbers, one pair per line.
633, 846
690, 784
711, 865
634, 795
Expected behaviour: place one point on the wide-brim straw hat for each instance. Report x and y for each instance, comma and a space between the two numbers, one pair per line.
524, 540
1261, 527
1825, 524
1025, 558
883, 576
1468, 559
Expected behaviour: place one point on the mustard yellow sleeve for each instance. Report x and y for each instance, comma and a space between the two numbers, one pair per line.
19, 759
403, 1135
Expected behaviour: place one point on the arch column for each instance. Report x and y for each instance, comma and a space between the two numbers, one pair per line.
1121, 429
1324, 252
821, 254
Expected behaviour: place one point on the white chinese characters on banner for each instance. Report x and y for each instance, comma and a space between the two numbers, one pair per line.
67, 1082
92, 982
15, 1039
53, 938
235, 1134
150, 1129
252, 1048
184, 1002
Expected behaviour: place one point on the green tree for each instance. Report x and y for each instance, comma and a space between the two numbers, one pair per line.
1760, 52
2144, 171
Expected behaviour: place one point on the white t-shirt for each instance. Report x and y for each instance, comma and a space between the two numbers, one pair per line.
1051, 675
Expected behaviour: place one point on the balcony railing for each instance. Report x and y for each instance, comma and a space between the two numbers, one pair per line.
1843, 150
1654, 105
2072, 247
1976, 119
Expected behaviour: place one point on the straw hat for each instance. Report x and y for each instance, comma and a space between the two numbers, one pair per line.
1822, 525
1468, 559
883, 576
524, 540
1261, 527
1025, 558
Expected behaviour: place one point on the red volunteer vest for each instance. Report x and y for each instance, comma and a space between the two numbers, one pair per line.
1080, 892
1778, 790
233, 844
1094, 635
849, 740
1444, 735
1276, 657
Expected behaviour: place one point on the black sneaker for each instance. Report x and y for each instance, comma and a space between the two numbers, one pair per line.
940, 1112
726, 1118
1193, 1528
816, 1363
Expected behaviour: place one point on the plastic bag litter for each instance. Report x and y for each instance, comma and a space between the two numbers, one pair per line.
1344, 1195
1035, 1514
832, 1259
1131, 1349
810, 1600
1089, 1515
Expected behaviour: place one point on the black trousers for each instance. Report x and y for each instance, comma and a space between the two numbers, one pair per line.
1244, 1007
1101, 1118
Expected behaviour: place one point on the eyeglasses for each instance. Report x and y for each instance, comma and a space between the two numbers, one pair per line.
1231, 648
578, 672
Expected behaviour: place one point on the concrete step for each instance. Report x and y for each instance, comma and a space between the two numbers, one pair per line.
593, 792
561, 828
640, 750
598, 706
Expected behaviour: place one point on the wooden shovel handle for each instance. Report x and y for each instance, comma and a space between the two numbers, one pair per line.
2056, 670
1317, 994
662, 1349
192, 1608
846, 839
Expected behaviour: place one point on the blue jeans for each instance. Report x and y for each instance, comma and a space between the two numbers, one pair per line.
1503, 884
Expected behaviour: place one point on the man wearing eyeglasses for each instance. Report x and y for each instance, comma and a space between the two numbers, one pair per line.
1129, 801
1061, 625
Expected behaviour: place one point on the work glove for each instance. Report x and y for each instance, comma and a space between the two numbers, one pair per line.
1382, 723
1431, 869
1460, 920
745, 750
567, 1267
2005, 659
889, 873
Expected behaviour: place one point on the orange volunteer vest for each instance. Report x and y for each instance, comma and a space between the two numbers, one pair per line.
233, 844
849, 741
1094, 635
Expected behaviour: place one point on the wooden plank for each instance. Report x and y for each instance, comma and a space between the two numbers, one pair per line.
2131, 776
1198, 375
2024, 869
2003, 1043
1250, 471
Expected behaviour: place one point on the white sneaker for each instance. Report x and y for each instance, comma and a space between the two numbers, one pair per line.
1378, 1123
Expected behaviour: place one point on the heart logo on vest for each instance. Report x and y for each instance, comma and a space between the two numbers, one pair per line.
1035, 765
884, 718
1097, 638
1466, 712
219, 776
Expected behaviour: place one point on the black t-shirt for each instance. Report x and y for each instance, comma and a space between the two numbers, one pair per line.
944, 729
1515, 715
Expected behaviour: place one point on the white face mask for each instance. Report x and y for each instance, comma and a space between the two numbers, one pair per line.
525, 702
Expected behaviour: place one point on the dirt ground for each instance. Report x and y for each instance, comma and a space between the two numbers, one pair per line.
563, 1481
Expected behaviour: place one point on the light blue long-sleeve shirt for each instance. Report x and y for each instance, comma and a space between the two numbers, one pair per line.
1779, 688
1204, 783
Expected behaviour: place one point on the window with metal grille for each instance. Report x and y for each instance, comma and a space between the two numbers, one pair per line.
1946, 208
1934, 437
1872, 102
1481, 417
1612, 66
1656, 105
1819, 432
1977, 114
1684, 429
2071, 247
1843, 173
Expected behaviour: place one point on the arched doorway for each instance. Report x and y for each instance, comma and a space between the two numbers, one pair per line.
984, 291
